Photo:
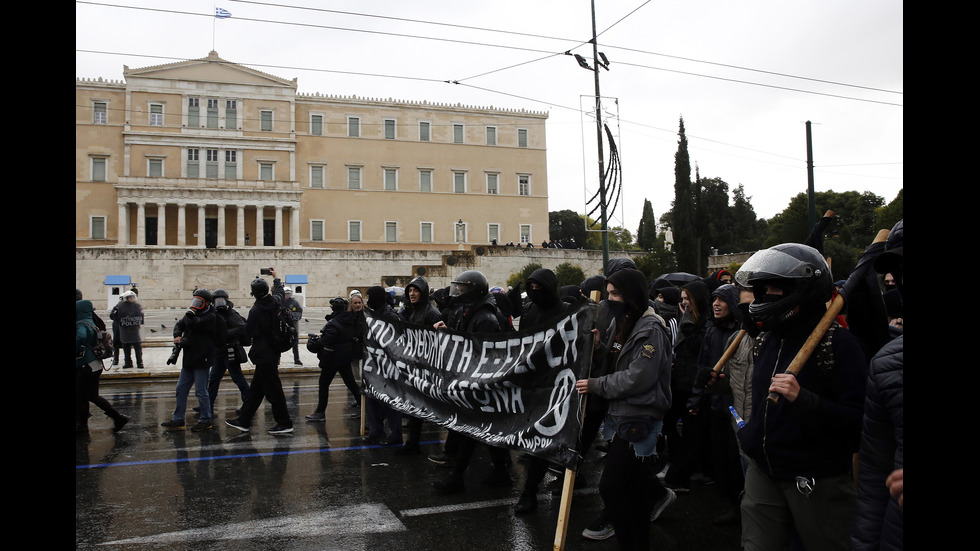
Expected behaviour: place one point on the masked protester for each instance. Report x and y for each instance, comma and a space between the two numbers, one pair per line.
472, 309
195, 335
260, 327
637, 387
800, 448
88, 368
230, 354
337, 341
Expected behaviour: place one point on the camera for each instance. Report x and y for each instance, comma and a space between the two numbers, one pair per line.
175, 353
265, 271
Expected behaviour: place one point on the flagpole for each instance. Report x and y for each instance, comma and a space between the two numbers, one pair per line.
214, 20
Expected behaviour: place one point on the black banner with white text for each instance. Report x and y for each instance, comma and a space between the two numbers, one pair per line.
514, 389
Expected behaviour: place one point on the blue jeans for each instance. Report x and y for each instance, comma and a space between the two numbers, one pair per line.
198, 378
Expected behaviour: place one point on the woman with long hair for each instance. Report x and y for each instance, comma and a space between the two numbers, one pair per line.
637, 385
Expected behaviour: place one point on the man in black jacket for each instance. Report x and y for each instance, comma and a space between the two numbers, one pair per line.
420, 312
261, 328
228, 355
195, 334
800, 448
880, 520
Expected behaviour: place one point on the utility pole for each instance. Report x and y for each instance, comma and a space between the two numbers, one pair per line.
598, 133
809, 174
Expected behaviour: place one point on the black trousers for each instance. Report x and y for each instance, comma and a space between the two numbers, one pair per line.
266, 385
630, 488
327, 373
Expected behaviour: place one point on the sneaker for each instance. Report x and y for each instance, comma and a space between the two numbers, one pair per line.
663, 474
235, 423
441, 458
175, 424
659, 507
202, 426
280, 429
315, 417
599, 530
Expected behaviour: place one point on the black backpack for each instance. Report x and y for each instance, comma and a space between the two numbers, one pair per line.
103, 343
284, 334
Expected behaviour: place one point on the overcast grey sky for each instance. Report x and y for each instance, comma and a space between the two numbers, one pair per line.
745, 76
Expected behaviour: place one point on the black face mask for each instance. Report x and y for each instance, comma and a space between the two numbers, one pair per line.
617, 309
221, 304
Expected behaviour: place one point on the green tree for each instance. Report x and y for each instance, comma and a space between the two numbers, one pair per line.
748, 231
891, 213
646, 233
682, 218
567, 224
569, 274
521, 276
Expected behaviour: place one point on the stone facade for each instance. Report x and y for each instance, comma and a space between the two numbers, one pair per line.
167, 277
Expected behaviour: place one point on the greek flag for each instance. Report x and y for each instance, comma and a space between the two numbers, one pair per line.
222, 13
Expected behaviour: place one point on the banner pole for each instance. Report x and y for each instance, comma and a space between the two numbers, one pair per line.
568, 486
360, 372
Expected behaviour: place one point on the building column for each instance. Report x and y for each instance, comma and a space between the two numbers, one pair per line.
200, 226
181, 224
258, 239
141, 224
278, 225
294, 227
161, 225
221, 227
123, 230
240, 239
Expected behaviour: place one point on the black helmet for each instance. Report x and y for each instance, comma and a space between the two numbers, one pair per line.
260, 287
799, 270
220, 299
476, 281
338, 304
202, 298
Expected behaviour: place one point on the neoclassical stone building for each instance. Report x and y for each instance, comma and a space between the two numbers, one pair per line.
210, 154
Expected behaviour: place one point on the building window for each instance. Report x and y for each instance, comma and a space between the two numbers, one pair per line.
266, 172
316, 230
97, 225
391, 179
98, 169
457, 133
391, 232
525, 233
425, 181
492, 180
231, 165
211, 163
491, 135
99, 112
353, 177
389, 129
212, 113
459, 182
193, 112
424, 131
353, 127
231, 114
523, 184
425, 232
316, 177
193, 163
353, 230
493, 233
265, 121
522, 137
316, 125
154, 168
156, 114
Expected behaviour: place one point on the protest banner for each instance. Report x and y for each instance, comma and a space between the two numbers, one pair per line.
513, 389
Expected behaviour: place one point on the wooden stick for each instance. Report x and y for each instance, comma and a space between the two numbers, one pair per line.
568, 486
729, 351
818, 332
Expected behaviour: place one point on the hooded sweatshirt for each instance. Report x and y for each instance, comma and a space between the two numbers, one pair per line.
423, 313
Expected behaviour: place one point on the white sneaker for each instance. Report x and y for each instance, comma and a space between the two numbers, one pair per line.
659, 508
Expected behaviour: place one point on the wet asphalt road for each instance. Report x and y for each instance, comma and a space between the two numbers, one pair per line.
317, 488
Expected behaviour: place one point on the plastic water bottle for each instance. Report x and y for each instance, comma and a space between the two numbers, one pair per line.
738, 420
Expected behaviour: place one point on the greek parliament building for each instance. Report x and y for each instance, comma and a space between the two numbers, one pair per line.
181, 161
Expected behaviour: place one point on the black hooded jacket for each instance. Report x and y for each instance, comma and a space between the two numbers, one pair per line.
260, 326
544, 304
423, 313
